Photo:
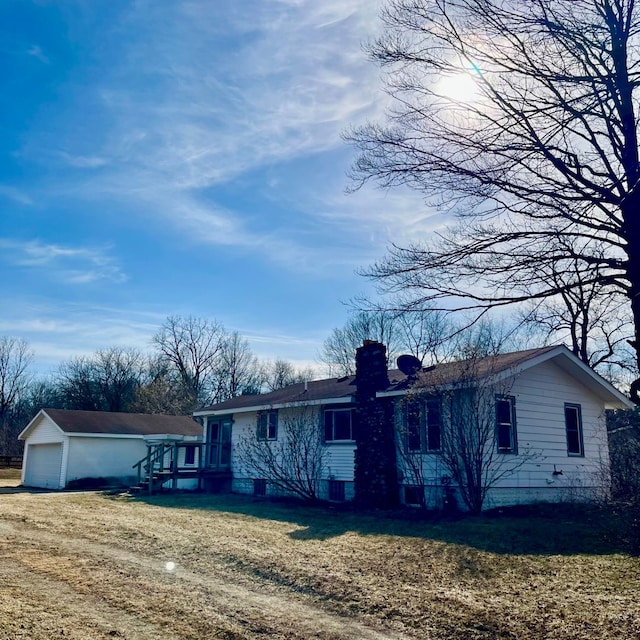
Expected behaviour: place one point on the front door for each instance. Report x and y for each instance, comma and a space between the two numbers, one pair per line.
219, 442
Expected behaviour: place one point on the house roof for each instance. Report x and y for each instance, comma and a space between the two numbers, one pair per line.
343, 389
111, 423
454, 372
311, 391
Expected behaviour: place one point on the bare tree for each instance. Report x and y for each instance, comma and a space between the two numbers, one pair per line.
237, 371
38, 394
295, 461
15, 358
538, 155
161, 391
282, 373
193, 347
486, 337
338, 349
106, 381
119, 374
424, 333
77, 385
596, 328
418, 433
623, 428
479, 444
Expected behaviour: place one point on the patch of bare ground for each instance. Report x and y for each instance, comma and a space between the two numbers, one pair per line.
93, 566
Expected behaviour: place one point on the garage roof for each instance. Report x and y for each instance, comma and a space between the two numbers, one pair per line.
111, 423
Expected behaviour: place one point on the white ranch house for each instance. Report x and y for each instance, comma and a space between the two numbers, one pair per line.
62, 446
549, 423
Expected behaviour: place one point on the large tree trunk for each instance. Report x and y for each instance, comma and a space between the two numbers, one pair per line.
631, 217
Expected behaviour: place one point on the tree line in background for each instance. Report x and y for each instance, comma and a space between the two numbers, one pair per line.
193, 362
196, 362
435, 336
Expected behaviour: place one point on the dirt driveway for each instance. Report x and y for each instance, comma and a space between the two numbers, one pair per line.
84, 566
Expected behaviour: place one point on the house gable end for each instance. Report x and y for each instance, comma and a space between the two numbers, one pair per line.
41, 420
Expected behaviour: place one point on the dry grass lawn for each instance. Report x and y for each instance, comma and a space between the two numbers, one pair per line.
86, 565
10, 477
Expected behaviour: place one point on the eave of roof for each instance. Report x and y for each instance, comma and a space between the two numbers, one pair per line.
338, 390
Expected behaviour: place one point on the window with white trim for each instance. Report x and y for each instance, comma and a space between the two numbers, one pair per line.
573, 426
268, 425
338, 425
506, 434
423, 424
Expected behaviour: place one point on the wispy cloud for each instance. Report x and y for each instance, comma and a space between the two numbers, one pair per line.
222, 110
58, 330
286, 86
15, 194
72, 265
80, 161
36, 52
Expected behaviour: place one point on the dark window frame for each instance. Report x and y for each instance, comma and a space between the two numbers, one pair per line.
259, 487
330, 429
511, 426
413, 495
579, 432
423, 434
337, 490
189, 455
267, 429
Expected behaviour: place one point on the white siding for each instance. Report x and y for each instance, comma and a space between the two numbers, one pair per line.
45, 430
540, 394
101, 457
339, 462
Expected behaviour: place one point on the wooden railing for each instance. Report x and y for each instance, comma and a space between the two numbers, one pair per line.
10, 462
160, 465
154, 461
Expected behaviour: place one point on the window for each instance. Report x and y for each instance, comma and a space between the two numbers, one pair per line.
423, 425
338, 425
268, 425
413, 495
190, 455
336, 490
506, 424
260, 487
573, 424
434, 424
413, 426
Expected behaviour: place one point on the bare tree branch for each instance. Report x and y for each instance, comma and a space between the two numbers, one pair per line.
540, 160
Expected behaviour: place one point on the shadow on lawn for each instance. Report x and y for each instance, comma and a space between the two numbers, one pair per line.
551, 529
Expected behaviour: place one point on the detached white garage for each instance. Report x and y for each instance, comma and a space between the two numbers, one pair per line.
61, 445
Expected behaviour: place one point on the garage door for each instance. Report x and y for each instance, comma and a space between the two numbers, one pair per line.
43, 465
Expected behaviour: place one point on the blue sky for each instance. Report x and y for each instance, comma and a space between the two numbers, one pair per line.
163, 157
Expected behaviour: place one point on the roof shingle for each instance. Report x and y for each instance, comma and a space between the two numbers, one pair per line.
104, 422
345, 387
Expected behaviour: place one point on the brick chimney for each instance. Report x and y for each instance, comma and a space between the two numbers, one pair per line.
376, 474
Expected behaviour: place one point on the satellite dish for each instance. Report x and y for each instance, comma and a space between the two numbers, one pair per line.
408, 364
